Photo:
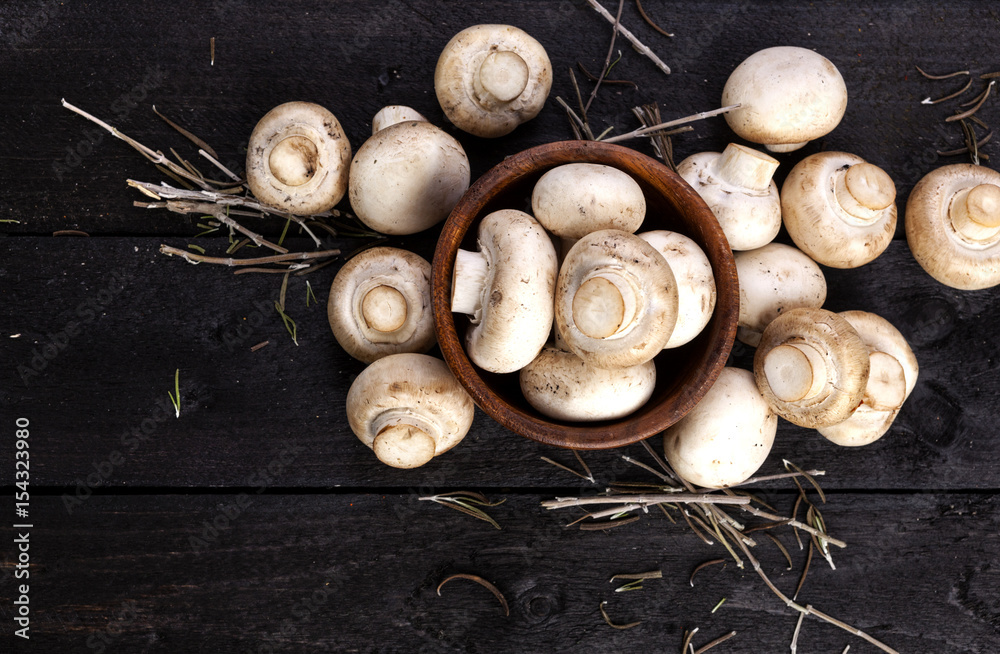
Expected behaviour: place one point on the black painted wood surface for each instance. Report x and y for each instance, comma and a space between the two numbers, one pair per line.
122, 492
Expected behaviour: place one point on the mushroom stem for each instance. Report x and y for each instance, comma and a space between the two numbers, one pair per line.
746, 168
468, 282
782, 148
383, 309
795, 371
864, 191
403, 436
502, 76
886, 389
605, 304
975, 212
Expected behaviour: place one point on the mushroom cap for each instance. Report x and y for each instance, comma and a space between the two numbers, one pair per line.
380, 304
491, 78
838, 383
392, 114
644, 289
407, 177
561, 385
575, 199
746, 205
949, 256
788, 96
298, 159
726, 437
774, 279
696, 293
407, 399
867, 424
514, 318
838, 209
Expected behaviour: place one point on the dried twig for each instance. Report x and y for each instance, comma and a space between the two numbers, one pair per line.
649, 21
650, 499
607, 619
467, 502
703, 565
607, 61
647, 131
929, 76
639, 45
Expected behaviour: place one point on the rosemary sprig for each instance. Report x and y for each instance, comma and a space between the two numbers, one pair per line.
467, 502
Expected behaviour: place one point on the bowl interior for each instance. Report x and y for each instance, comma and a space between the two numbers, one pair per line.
683, 375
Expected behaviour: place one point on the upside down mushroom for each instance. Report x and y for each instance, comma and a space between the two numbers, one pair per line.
839, 209
812, 367
491, 78
380, 304
408, 408
298, 159
891, 380
616, 300
953, 225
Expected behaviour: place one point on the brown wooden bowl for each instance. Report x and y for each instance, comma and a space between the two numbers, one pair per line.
683, 375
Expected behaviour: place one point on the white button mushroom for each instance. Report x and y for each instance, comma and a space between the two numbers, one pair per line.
736, 185
616, 300
953, 225
774, 279
696, 293
408, 408
380, 304
507, 287
392, 114
787, 96
407, 177
298, 159
726, 437
891, 379
573, 200
491, 78
561, 385
812, 367
839, 209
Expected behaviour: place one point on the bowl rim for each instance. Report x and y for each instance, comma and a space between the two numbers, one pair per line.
581, 436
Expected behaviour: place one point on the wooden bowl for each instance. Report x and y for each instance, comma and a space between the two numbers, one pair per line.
683, 375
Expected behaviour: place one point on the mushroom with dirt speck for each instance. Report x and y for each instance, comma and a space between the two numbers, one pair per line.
726, 437
561, 385
507, 288
953, 225
616, 300
491, 78
380, 304
788, 96
892, 376
839, 209
298, 159
407, 177
736, 185
408, 408
812, 367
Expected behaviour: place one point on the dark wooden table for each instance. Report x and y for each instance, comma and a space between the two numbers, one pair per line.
257, 522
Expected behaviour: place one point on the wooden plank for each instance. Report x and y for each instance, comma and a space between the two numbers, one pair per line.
357, 573
58, 172
140, 316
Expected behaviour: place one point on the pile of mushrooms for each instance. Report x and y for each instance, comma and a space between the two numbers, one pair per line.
582, 332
